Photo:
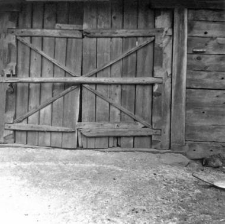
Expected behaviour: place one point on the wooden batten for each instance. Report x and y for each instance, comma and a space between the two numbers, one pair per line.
85, 80
33, 127
119, 132
103, 33
46, 33
179, 77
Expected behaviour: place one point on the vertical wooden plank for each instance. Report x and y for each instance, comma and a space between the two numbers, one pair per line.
2, 110
8, 60
73, 62
60, 55
103, 56
162, 93
179, 77
129, 66
35, 71
143, 102
116, 69
89, 63
23, 69
47, 71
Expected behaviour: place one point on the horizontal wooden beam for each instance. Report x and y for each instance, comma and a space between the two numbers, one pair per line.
98, 33
86, 80
206, 29
59, 33
33, 127
102, 132
108, 125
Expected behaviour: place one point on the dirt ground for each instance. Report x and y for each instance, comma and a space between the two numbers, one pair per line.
89, 187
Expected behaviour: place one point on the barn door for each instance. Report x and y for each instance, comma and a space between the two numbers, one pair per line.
125, 103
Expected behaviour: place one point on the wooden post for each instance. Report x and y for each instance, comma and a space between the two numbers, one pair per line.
179, 77
2, 110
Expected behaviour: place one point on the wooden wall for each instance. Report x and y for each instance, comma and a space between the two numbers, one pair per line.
82, 56
205, 103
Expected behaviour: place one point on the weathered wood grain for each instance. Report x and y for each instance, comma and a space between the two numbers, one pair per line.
84, 80
199, 62
179, 77
60, 55
205, 80
35, 128
35, 72
8, 60
206, 15
68, 26
47, 71
47, 56
103, 33
23, 71
162, 93
73, 62
119, 132
205, 98
205, 115
46, 33
91, 72
206, 29
89, 63
44, 104
145, 59
118, 106
103, 56
110, 125
205, 133
129, 66
116, 69
210, 45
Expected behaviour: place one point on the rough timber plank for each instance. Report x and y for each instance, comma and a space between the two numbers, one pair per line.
119, 132
179, 77
199, 62
73, 61
103, 56
116, 69
89, 63
129, 66
205, 116
8, 60
209, 45
205, 98
206, 15
145, 58
205, 133
23, 71
35, 71
205, 80
47, 71
34, 127
206, 29
60, 55
162, 93
46, 33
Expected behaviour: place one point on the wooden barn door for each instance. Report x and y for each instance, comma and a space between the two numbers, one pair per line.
126, 115
45, 112
125, 47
